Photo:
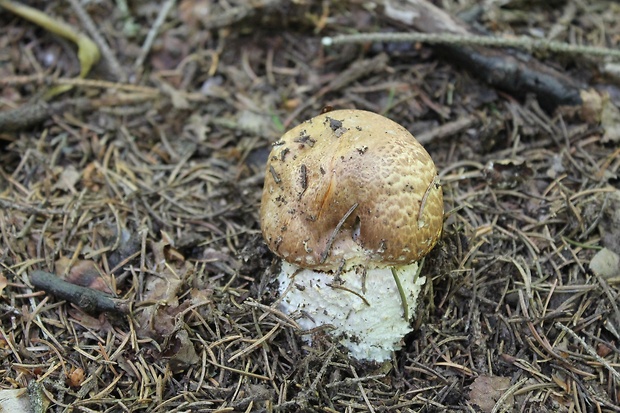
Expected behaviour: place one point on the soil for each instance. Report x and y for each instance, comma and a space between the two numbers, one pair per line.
141, 183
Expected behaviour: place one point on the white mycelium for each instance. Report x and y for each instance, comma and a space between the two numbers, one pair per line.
366, 311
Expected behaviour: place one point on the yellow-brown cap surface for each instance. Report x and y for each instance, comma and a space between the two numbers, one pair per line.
350, 187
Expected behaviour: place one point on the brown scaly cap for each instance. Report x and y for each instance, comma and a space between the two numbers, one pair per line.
350, 187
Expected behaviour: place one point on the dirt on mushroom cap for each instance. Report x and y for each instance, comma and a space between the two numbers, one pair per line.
350, 186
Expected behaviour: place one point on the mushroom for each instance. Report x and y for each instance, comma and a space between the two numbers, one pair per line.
351, 203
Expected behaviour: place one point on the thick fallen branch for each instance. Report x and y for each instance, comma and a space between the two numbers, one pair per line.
516, 74
499, 68
88, 299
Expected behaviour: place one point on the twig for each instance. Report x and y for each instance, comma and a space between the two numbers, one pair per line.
30, 115
150, 37
38, 79
401, 292
352, 381
362, 391
280, 316
522, 42
511, 391
215, 363
448, 129
343, 288
589, 349
612, 300
501, 69
27, 116
354, 72
328, 358
91, 28
88, 299
8, 204
255, 344
334, 234
237, 13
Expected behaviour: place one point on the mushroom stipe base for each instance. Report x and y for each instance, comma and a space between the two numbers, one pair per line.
365, 310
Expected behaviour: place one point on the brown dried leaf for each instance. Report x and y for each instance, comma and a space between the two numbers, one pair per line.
161, 320
181, 352
3, 283
171, 269
610, 120
85, 273
67, 179
162, 289
603, 350
92, 177
201, 296
609, 225
600, 108
76, 377
192, 12
485, 391
100, 324
592, 106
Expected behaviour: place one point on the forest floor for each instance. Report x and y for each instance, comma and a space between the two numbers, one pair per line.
143, 180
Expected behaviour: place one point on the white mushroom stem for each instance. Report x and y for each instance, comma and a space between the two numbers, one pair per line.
367, 311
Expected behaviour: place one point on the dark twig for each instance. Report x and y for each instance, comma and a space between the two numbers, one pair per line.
89, 300
29, 116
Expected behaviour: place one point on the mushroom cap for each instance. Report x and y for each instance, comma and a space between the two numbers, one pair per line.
350, 187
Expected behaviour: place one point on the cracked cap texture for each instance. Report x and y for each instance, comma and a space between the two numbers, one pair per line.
350, 187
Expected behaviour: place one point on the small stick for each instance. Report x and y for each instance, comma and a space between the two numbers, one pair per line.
448, 129
589, 349
401, 292
91, 28
332, 237
340, 287
88, 299
359, 386
255, 344
510, 392
150, 38
522, 42
433, 185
